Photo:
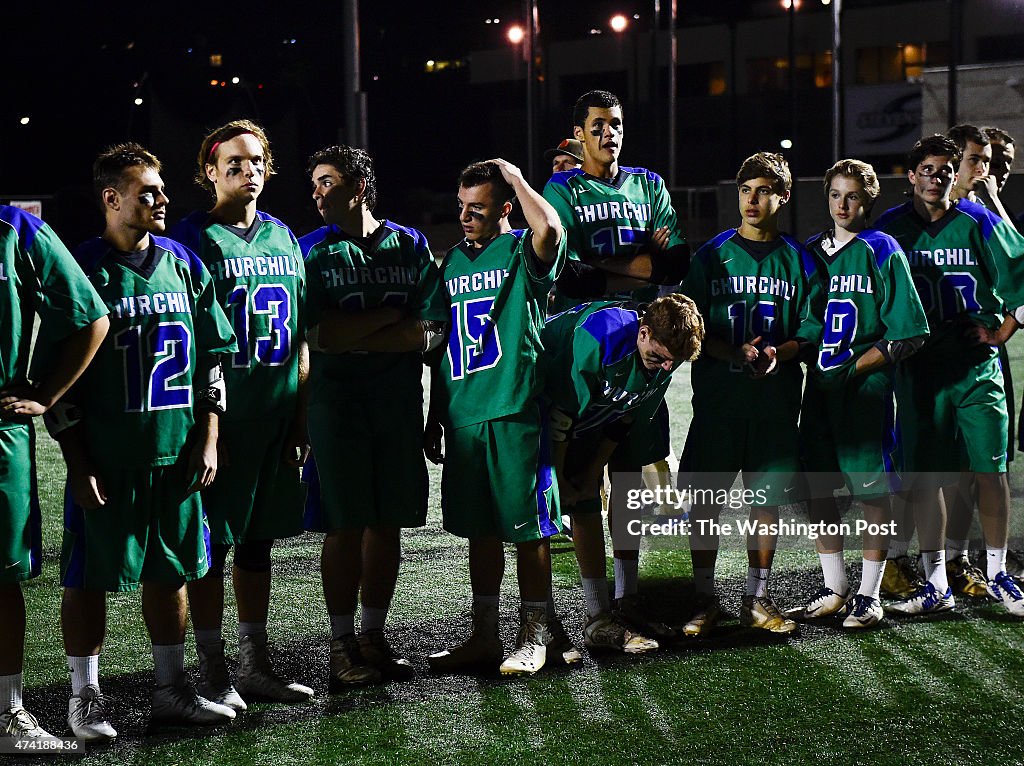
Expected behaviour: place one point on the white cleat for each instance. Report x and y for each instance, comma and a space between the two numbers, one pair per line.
608, 631
926, 600
825, 603
214, 682
257, 679
863, 612
87, 716
180, 704
1004, 590
531, 646
18, 723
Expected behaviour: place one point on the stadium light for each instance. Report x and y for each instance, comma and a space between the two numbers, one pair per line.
787, 4
138, 102
786, 143
235, 80
25, 120
516, 34
618, 23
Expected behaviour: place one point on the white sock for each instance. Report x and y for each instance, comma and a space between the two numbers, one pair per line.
257, 630
595, 592
168, 663
995, 561
210, 638
934, 563
897, 548
834, 570
342, 625
84, 671
704, 580
626, 576
372, 618
757, 581
533, 605
871, 578
10, 691
955, 548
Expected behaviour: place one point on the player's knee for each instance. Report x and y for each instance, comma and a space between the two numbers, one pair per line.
218, 555
254, 556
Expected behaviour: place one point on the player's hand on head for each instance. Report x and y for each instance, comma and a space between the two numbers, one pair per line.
508, 171
433, 446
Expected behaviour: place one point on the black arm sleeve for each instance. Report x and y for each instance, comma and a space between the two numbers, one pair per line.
896, 351
580, 281
669, 267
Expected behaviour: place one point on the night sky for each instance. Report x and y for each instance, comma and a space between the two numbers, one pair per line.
76, 74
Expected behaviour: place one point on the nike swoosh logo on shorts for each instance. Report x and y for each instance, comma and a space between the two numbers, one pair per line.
520, 526
869, 483
11, 566
999, 456
726, 261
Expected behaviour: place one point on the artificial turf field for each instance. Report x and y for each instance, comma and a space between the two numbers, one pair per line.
948, 689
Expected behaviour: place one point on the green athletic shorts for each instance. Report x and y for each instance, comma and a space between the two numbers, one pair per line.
20, 519
498, 480
369, 459
952, 414
255, 496
766, 451
150, 530
647, 442
847, 435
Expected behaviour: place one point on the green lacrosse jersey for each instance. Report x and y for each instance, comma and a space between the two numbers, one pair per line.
498, 297
594, 371
968, 266
392, 267
863, 293
744, 290
37, 276
612, 216
260, 281
137, 393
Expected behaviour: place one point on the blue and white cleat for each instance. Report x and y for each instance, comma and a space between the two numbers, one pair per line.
863, 612
1004, 590
926, 600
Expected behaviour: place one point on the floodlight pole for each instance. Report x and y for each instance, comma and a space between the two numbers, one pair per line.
355, 133
530, 46
837, 81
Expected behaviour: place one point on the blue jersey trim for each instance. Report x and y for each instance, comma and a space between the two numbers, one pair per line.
308, 241
417, 236
981, 215
881, 244
90, 253
189, 230
651, 175
268, 218
615, 330
893, 213
25, 225
562, 177
183, 254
